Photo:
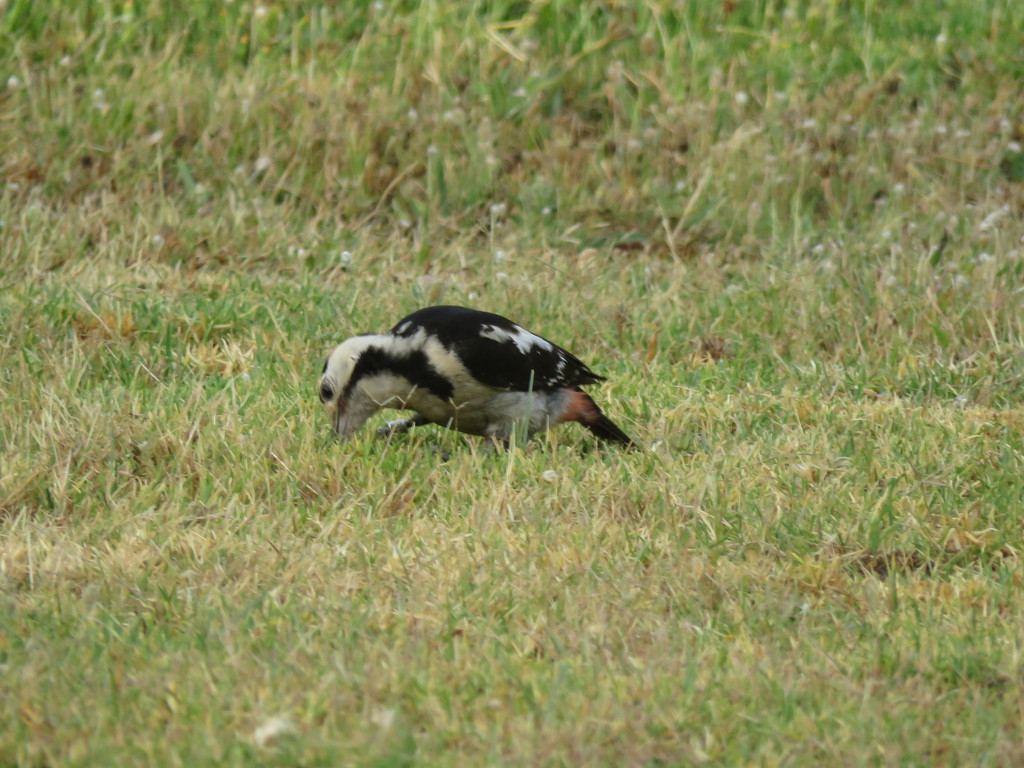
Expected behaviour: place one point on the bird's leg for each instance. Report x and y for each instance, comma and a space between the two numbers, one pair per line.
497, 444
401, 425
497, 439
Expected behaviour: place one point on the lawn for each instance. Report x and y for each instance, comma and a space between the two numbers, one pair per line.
791, 234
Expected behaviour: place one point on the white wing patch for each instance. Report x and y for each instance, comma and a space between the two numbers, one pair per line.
522, 338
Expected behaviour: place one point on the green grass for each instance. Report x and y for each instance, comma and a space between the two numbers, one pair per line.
789, 233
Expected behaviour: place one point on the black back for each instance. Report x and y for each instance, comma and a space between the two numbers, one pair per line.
498, 363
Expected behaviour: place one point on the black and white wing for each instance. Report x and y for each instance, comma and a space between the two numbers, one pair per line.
498, 352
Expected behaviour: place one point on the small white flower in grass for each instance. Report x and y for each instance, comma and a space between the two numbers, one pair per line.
549, 475
272, 729
345, 258
155, 138
941, 129
941, 40
500, 255
378, 6
1014, 146
985, 258
809, 124
65, 61
545, 211
741, 98
13, 82
501, 276
384, 717
199, 189
404, 223
963, 133
818, 249
260, 11
491, 160
432, 149
412, 115
472, 295
960, 281
519, 93
962, 401
454, 116
680, 186
157, 240
898, 189
1005, 125
262, 164
990, 221
499, 209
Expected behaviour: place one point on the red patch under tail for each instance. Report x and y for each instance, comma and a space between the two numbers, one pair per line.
582, 408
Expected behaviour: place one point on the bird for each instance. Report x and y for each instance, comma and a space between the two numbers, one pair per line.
465, 369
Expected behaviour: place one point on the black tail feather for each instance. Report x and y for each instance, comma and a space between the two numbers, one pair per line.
606, 429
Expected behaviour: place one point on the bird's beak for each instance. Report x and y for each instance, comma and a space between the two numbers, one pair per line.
349, 415
338, 419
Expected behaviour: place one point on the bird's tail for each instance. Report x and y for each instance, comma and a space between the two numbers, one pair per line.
606, 429
582, 408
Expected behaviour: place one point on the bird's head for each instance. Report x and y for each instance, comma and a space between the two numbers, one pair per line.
343, 389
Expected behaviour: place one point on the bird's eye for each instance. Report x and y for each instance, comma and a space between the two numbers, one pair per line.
326, 393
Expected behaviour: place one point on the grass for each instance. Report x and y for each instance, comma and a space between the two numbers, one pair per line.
791, 236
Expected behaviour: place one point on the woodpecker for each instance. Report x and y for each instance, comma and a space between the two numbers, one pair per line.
467, 370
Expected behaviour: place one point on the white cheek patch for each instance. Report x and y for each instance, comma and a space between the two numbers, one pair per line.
386, 390
522, 338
